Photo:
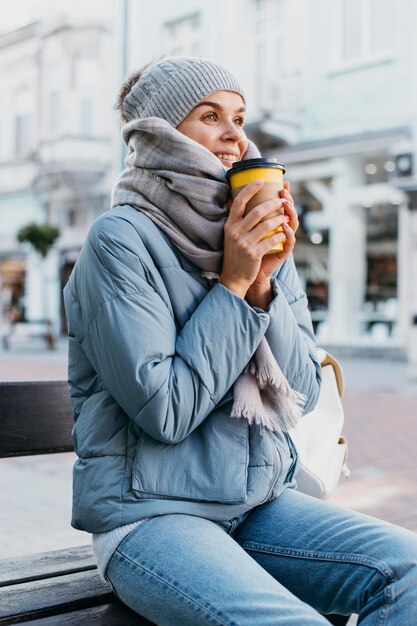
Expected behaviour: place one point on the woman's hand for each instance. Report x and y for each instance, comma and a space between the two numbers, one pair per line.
260, 293
244, 246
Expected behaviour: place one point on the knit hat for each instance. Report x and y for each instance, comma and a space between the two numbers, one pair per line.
171, 88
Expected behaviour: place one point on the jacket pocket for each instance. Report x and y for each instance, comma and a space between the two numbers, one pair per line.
210, 465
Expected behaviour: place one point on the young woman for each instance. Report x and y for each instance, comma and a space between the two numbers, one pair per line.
190, 351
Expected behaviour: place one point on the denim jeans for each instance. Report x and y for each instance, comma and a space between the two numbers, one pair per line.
283, 563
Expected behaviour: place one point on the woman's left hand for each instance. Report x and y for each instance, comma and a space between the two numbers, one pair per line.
271, 262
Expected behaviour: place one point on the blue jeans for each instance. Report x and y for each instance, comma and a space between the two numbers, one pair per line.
283, 563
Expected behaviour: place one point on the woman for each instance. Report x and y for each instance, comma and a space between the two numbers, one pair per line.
190, 351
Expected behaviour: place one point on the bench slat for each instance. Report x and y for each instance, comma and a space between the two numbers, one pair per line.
51, 596
115, 614
37, 566
35, 418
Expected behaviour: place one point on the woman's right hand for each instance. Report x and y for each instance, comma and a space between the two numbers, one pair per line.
243, 244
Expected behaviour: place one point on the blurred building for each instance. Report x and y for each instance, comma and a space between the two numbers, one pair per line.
330, 92
58, 138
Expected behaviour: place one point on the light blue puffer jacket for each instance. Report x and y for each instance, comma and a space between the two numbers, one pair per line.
153, 355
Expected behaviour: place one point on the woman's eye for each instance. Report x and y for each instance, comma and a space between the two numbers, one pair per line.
210, 117
239, 121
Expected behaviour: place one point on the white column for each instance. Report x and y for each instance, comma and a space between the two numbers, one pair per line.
404, 275
347, 258
52, 289
2, 304
34, 287
412, 332
42, 288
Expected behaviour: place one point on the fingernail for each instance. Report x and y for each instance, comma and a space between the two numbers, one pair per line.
258, 182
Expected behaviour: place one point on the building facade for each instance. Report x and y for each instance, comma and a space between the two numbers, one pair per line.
330, 92
57, 146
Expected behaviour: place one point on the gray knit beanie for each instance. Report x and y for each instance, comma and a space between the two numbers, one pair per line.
171, 88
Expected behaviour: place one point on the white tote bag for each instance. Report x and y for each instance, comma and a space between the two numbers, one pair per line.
318, 435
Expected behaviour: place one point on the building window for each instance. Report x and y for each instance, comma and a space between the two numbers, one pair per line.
86, 115
269, 29
183, 37
54, 111
72, 217
22, 135
364, 28
23, 106
84, 71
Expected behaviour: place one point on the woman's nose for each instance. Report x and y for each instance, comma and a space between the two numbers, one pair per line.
231, 131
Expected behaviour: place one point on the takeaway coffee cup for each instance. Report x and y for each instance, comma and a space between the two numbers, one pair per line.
272, 173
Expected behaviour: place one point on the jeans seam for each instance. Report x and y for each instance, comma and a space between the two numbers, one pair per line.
185, 594
322, 556
382, 616
389, 599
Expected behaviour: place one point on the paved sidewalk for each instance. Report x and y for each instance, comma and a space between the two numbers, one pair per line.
381, 428
33, 362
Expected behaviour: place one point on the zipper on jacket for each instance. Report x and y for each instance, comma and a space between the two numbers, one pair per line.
277, 467
294, 457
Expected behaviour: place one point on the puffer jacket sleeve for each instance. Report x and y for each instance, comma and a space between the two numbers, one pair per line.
290, 334
166, 381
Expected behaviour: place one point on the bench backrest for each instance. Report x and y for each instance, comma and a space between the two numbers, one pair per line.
35, 418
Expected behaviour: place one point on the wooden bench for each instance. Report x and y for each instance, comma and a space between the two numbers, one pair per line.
61, 587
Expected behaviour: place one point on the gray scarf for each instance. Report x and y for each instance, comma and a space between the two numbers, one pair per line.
181, 187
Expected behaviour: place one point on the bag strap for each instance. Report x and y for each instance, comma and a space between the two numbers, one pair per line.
326, 358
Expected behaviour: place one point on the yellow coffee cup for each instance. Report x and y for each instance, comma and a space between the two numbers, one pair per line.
272, 173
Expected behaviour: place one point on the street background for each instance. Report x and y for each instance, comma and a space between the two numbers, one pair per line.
338, 109
380, 407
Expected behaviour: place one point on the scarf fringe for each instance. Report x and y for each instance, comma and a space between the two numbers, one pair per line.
269, 376
289, 411
210, 275
268, 372
270, 422
269, 402
276, 421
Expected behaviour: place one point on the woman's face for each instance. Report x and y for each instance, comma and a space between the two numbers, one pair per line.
217, 123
